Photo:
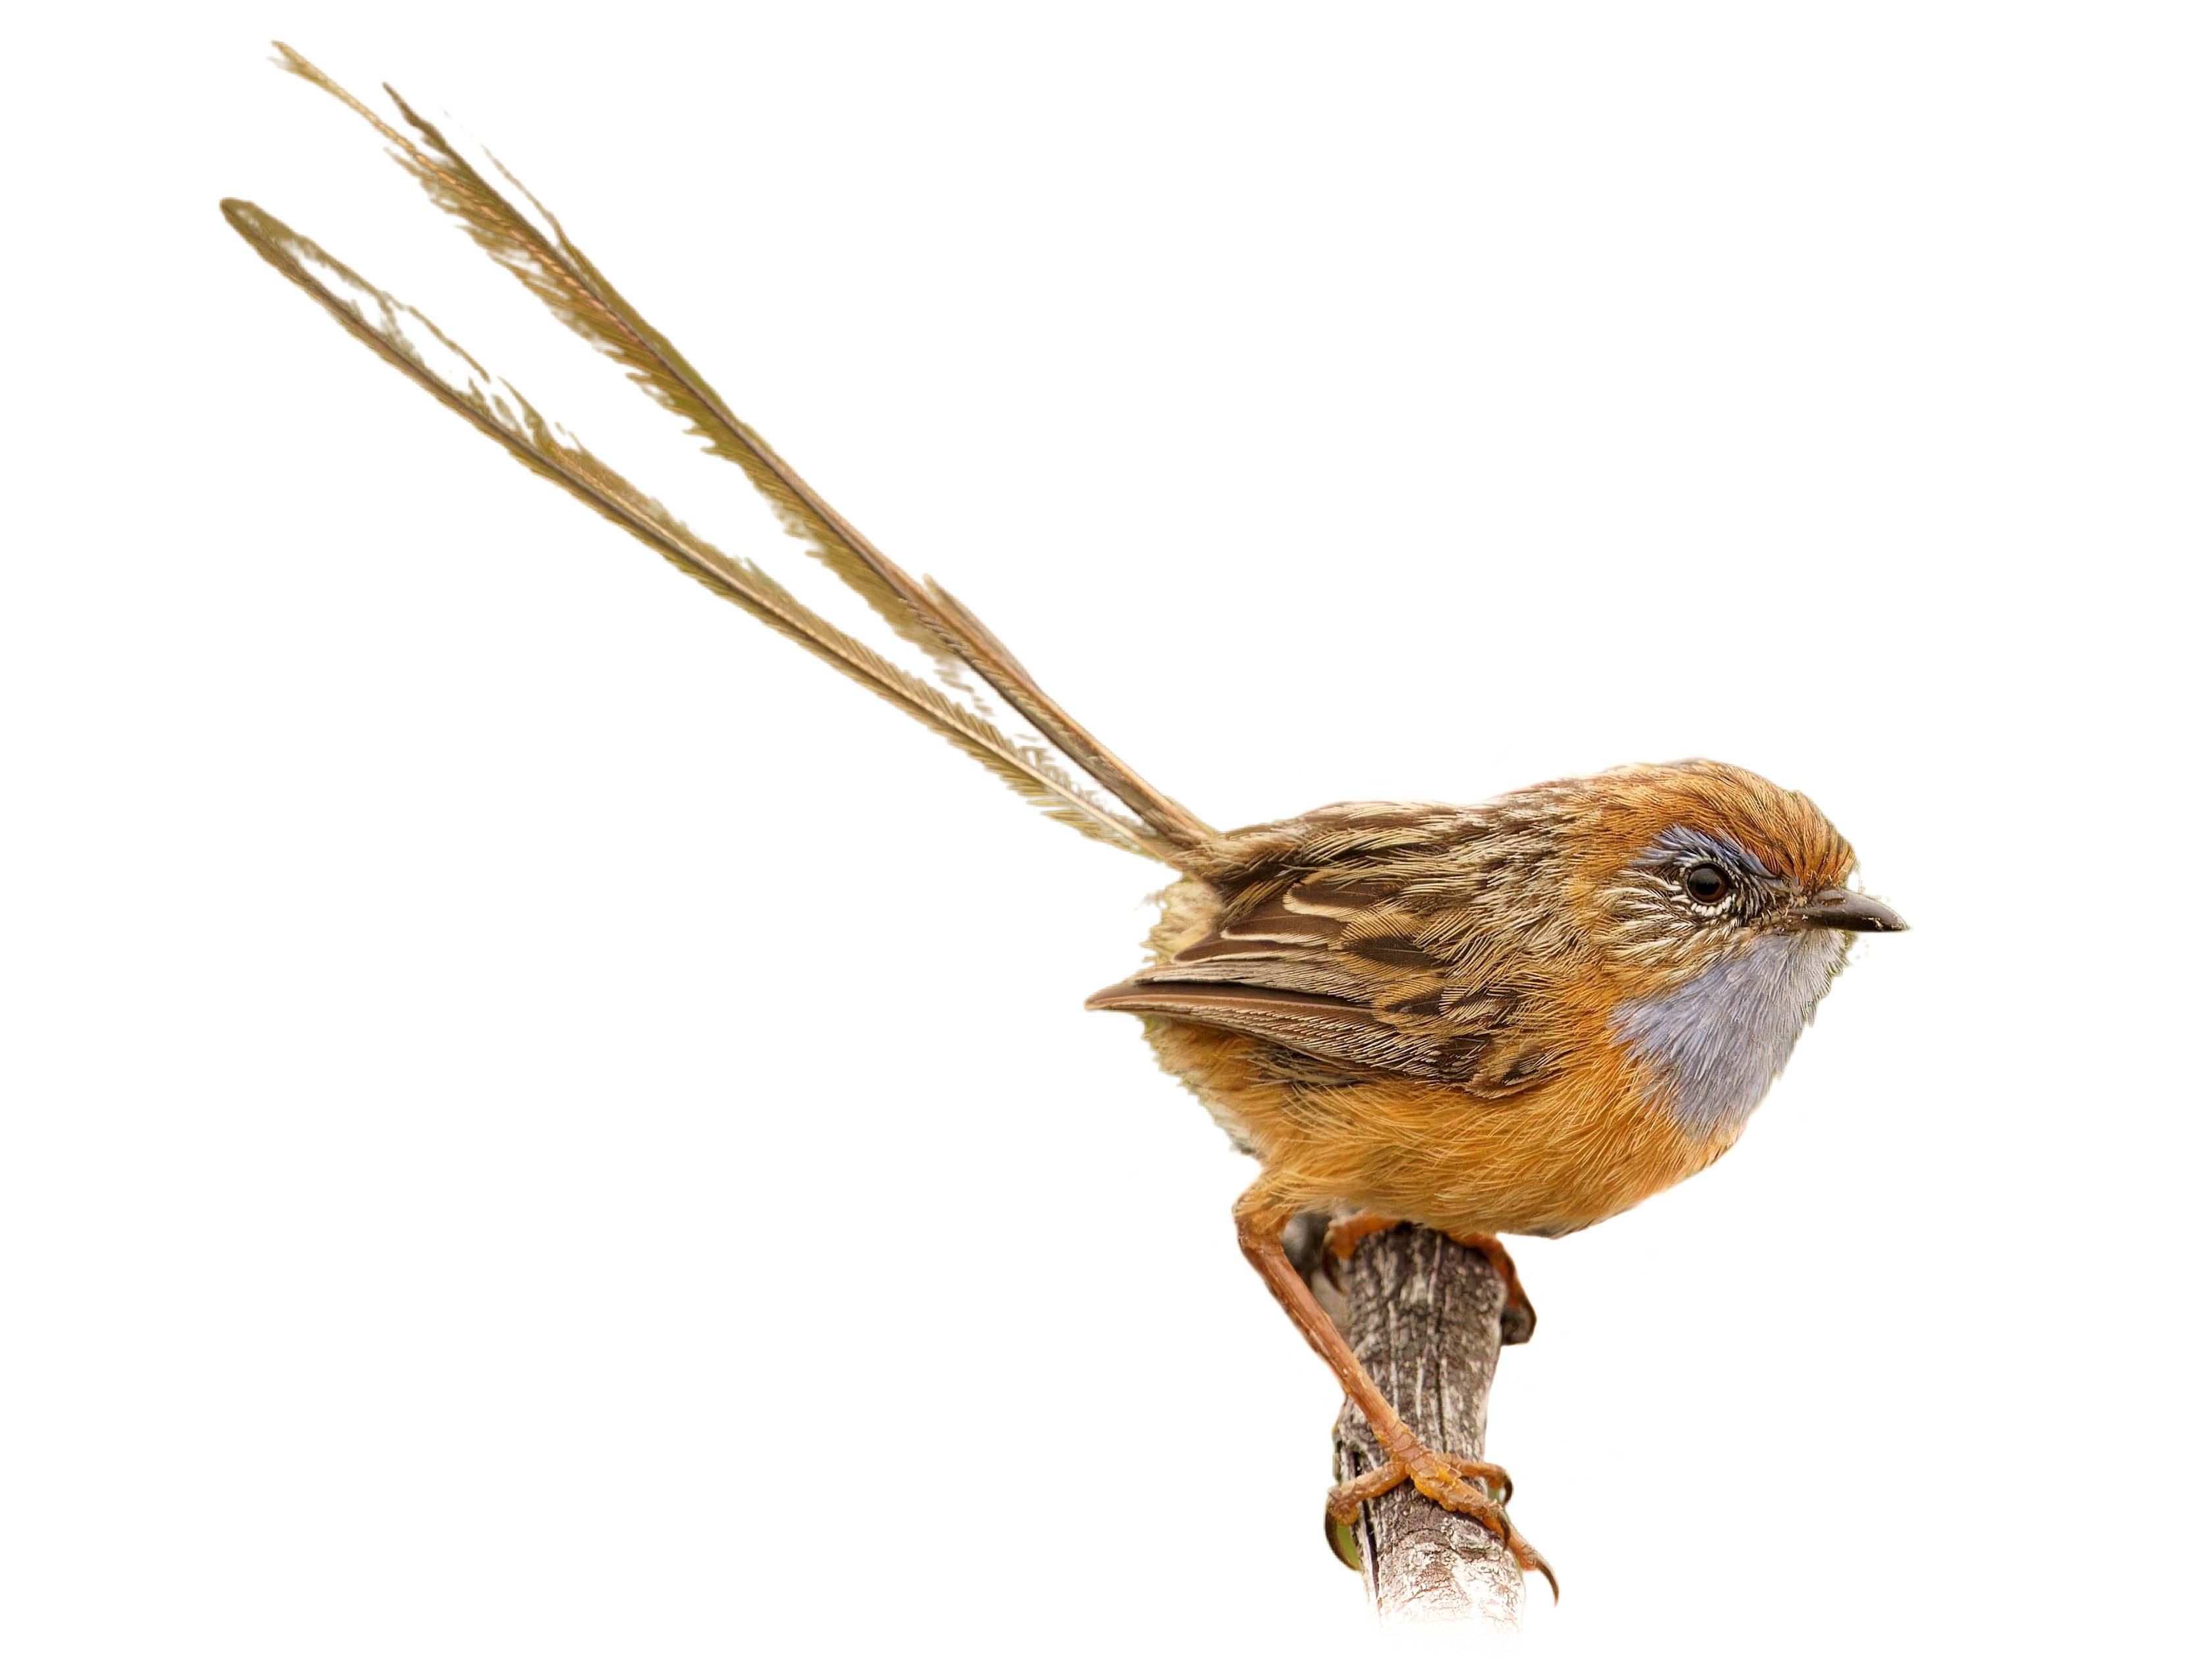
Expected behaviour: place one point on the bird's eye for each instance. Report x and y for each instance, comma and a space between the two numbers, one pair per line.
1708, 884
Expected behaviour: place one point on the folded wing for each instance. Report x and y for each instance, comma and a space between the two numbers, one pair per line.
1367, 972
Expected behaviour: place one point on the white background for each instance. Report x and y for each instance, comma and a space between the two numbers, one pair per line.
539, 1121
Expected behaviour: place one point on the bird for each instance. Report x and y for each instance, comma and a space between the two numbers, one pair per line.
1520, 1017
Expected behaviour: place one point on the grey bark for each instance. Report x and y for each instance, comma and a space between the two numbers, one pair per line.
1422, 1313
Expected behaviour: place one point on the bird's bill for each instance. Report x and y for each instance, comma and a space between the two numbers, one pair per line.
1839, 906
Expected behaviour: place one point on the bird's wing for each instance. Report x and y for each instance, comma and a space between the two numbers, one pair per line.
1380, 974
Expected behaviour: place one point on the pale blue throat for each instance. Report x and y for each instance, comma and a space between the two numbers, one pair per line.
1724, 1037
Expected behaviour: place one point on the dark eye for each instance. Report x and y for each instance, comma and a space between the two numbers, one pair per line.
1708, 884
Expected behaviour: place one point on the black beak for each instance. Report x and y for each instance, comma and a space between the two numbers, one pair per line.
1839, 906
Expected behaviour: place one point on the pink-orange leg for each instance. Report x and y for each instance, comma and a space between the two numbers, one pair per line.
1518, 1323
1443, 1480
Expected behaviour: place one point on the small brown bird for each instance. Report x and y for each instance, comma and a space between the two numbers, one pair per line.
1521, 1016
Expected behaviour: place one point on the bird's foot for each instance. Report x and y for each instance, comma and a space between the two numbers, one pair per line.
1464, 1485
1440, 1470
1345, 1231
1516, 1323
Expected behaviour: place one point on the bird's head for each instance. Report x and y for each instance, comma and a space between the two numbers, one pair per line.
1717, 904
1685, 866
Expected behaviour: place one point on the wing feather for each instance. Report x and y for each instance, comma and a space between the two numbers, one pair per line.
1318, 952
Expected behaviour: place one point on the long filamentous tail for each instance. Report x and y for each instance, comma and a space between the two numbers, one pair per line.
551, 267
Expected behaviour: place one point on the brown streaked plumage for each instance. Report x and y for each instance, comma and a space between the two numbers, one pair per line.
1406, 1009
1520, 1017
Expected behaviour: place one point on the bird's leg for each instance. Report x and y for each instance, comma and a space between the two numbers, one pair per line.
1443, 1480
1518, 1323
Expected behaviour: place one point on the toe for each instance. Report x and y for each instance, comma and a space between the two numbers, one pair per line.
1498, 1483
1441, 1484
1344, 1499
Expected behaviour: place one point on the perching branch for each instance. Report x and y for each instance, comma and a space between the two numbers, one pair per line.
1422, 1313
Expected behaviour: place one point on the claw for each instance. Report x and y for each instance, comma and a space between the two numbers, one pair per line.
1342, 1542
1463, 1484
1473, 1468
1530, 1557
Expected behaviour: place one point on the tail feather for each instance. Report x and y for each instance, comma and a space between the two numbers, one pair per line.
413, 344
556, 273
